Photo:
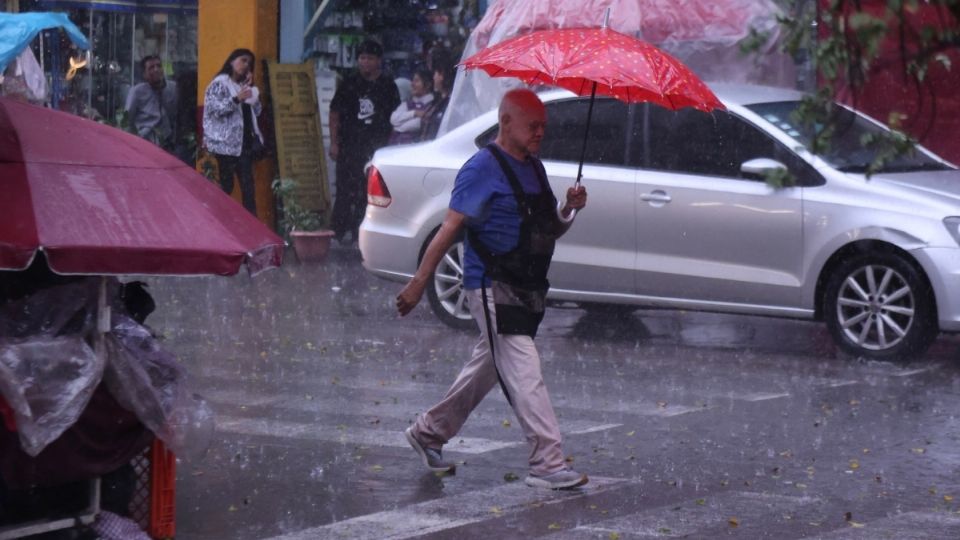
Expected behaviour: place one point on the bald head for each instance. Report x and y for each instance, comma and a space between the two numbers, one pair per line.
523, 119
518, 100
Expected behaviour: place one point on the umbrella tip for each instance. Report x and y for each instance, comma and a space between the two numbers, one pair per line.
606, 17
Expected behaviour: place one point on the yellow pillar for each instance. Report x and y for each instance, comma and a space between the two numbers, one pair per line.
225, 25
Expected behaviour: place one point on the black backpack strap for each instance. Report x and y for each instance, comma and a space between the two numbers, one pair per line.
514, 182
489, 320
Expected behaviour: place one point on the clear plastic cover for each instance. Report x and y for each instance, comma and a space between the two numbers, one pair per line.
704, 34
49, 370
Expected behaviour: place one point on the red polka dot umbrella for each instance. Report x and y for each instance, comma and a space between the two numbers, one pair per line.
590, 61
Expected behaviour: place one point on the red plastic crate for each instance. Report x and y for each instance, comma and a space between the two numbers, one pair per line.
154, 501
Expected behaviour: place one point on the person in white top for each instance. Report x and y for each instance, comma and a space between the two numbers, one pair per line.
230, 129
406, 117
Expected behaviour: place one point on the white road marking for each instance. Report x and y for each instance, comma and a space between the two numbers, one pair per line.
906, 525
693, 517
373, 437
912, 372
450, 512
762, 396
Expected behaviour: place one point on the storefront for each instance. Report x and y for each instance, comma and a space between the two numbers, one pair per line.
330, 30
121, 32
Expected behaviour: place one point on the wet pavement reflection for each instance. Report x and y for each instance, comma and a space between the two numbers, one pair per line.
690, 424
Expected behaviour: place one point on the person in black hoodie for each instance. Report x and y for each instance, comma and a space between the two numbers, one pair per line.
359, 125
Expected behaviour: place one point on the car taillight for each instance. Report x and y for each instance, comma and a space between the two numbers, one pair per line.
377, 192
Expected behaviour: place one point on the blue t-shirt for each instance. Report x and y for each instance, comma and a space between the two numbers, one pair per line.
483, 194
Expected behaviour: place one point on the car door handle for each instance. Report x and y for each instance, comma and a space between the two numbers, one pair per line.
657, 196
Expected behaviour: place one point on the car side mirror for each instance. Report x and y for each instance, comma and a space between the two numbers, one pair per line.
760, 167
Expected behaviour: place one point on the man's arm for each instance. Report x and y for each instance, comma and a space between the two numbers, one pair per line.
133, 109
410, 296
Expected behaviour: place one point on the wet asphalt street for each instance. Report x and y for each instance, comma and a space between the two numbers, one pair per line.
690, 425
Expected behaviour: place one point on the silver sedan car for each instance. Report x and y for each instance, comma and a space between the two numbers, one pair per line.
680, 216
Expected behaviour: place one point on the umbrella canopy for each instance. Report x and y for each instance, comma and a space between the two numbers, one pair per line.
98, 200
584, 59
597, 60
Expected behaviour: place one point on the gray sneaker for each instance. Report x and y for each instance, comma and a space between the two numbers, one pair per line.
565, 479
432, 459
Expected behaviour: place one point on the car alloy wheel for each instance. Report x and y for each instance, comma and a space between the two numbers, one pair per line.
875, 307
880, 307
447, 296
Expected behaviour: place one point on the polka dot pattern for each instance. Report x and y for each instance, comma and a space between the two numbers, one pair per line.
623, 67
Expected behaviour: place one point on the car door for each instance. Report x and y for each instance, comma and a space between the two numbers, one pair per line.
708, 236
598, 253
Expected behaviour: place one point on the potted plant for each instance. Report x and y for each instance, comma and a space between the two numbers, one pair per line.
302, 227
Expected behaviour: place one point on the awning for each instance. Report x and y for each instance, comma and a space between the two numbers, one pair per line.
17, 30
129, 6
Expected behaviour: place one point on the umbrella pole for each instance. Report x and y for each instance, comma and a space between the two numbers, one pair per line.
586, 134
103, 320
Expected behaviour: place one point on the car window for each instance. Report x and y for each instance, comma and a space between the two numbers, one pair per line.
711, 144
845, 150
563, 140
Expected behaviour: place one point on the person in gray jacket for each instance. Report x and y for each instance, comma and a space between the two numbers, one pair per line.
230, 130
152, 105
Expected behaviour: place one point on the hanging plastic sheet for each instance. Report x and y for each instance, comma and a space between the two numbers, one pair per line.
17, 30
148, 381
47, 371
703, 34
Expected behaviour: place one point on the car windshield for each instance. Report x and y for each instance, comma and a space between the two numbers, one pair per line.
845, 151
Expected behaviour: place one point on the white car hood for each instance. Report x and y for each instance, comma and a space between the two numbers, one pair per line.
944, 184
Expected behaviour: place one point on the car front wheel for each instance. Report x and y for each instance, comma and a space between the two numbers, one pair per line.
879, 306
447, 296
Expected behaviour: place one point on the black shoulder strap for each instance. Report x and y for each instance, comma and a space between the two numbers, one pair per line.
542, 177
512, 180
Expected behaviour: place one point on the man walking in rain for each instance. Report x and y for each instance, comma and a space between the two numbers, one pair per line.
502, 199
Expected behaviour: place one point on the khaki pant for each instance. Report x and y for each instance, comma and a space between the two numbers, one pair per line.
519, 366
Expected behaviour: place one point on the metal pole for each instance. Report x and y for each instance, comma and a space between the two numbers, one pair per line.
90, 71
133, 49
103, 320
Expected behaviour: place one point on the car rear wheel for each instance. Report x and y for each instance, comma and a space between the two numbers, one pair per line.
879, 306
447, 296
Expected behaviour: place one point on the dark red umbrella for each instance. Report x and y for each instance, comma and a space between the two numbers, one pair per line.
590, 61
97, 200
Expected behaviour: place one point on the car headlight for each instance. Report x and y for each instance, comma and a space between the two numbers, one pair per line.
953, 227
